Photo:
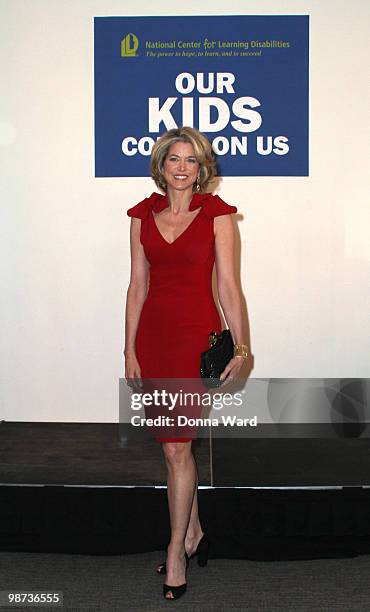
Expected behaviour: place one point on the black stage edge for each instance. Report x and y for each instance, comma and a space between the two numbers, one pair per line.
87, 488
241, 523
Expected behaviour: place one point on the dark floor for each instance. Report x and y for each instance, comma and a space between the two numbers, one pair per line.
101, 454
128, 582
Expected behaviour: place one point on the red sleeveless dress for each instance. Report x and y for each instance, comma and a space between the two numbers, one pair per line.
179, 311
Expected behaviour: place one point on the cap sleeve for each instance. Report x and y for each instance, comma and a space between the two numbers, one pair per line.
214, 207
140, 210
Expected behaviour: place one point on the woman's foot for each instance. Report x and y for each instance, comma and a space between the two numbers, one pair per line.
175, 582
191, 545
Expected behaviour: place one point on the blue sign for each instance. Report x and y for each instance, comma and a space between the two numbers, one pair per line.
241, 80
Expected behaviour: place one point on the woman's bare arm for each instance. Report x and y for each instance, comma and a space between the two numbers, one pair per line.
228, 289
137, 289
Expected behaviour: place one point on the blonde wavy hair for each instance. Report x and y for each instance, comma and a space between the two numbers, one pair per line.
203, 153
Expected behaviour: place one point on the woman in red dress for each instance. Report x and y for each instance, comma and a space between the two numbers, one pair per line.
176, 239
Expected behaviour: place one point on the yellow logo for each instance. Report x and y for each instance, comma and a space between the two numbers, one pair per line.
129, 45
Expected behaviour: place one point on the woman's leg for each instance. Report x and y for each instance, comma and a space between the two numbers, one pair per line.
194, 532
181, 483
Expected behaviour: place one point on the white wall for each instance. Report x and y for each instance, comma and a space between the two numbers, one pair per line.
64, 247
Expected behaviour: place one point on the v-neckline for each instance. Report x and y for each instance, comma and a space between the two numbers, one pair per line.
182, 233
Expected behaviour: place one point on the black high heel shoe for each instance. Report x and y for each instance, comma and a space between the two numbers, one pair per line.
177, 591
201, 552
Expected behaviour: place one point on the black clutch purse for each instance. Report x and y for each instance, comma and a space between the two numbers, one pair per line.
213, 361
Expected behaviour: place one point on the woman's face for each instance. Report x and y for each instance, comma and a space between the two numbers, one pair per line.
180, 168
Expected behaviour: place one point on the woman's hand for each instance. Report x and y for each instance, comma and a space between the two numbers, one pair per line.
231, 370
133, 372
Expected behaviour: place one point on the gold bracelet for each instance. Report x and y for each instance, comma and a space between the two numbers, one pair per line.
240, 350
